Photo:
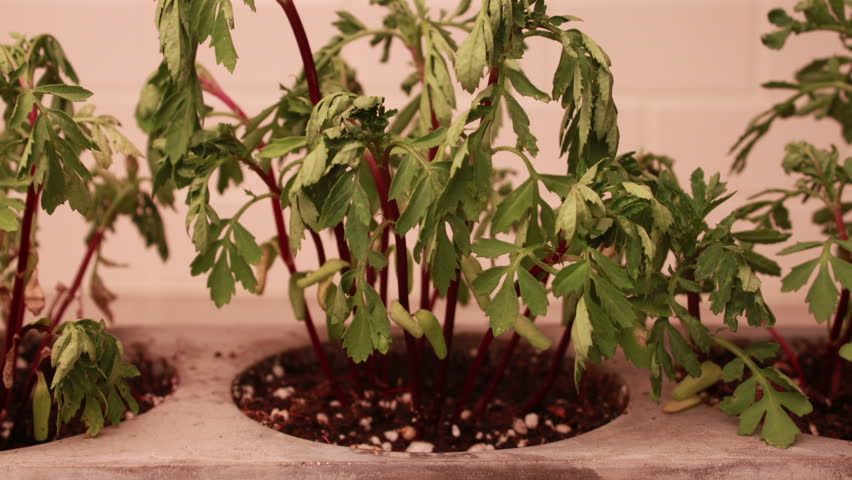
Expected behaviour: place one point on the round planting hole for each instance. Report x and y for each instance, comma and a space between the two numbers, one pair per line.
157, 380
289, 393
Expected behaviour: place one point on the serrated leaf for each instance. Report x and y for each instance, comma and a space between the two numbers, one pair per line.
356, 339
761, 236
524, 86
822, 297
221, 282
247, 244
800, 247
842, 271
533, 293
571, 278
504, 307
513, 208
798, 276
472, 57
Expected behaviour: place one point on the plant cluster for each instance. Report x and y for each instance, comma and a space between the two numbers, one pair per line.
822, 89
43, 147
416, 189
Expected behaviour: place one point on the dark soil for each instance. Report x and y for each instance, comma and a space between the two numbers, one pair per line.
831, 417
287, 392
158, 379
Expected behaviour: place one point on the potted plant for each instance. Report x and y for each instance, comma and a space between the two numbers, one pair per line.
822, 89
333, 159
42, 146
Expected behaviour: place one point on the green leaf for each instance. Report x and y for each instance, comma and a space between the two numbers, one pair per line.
798, 276
41, 408
521, 125
221, 41
503, 309
432, 329
73, 93
566, 217
533, 292
800, 247
581, 337
356, 339
92, 416
221, 282
846, 351
445, 262
472, 56
419, 202
571, 278
842, 272
531, 333
761, 236
683, 352
242, 272
641, 191
246, 244
9, 221
523, 85
514, 208
822, 297
613, 271
279, 147
492, 248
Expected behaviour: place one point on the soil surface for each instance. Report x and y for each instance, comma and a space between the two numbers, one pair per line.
158, 379
288, 392
831, 417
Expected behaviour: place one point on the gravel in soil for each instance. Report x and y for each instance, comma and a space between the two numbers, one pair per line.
158, 379
831, 417
288, 393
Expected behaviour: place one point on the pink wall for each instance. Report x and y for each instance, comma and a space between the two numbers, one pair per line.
687, 76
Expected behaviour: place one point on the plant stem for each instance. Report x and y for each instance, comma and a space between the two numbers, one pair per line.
555, 366
68, 297
443, 365
791, 356
15, 320
833, 359
473, 373
305, 51
693, 302
287, 257
499, 372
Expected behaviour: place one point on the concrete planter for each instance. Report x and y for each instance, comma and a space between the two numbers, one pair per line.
199, 433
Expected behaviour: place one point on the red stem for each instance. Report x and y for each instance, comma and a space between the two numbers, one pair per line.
287, 257
68, 297
443, 365
473, 373
304, 49
791, 356
15, 320
499, 373
555, 366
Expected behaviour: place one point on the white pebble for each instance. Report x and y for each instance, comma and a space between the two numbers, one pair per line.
420, 447
128, 415
366, 423
562, 428
479, 435
519, 426
465, 414
405, 397
283, 392
334, 404
392, 435
269, 378
408, 432
522, 443
456, 431
375, 440
480, 447
279, 413
367, 446
531, 420
322, 418
278, 370
387, 447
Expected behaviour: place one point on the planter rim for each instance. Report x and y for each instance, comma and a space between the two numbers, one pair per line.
200, 429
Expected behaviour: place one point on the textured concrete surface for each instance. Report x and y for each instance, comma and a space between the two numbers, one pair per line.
199, 433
